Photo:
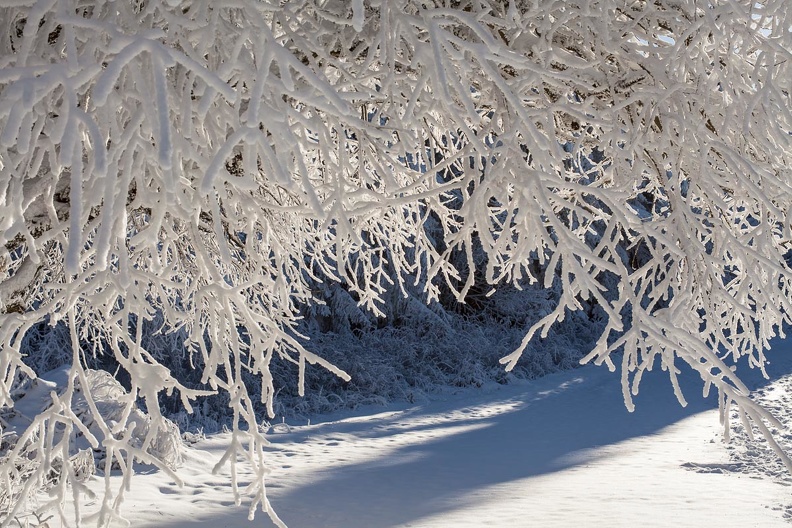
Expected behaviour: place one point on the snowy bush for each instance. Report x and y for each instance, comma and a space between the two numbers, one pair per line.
98, 401
212, 164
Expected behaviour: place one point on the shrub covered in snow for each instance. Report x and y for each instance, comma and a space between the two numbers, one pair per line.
98, 402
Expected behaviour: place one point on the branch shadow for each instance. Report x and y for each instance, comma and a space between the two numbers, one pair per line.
427, 457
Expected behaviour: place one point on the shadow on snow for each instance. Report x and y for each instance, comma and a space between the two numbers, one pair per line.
445, 451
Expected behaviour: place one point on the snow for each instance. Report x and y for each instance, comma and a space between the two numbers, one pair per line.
557, 451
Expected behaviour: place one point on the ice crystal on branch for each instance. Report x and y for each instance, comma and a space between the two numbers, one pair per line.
208, 162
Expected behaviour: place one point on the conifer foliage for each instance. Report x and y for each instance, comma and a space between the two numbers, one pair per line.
209, 163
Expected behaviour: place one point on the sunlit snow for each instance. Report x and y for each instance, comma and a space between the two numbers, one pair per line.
558, 451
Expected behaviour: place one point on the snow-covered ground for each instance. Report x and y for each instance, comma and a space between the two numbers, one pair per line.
558, 451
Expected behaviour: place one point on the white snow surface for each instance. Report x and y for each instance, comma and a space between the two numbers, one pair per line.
558, 451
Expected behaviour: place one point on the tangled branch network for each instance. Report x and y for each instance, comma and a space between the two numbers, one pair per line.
207, 162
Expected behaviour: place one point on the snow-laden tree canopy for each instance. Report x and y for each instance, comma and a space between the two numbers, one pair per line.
208, 161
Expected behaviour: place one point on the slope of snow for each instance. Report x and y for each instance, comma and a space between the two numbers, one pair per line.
558, 451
